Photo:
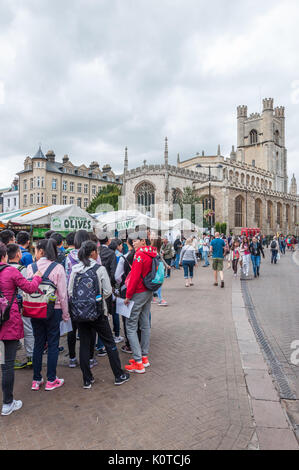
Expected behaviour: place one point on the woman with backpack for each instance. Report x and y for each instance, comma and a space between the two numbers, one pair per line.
11, 324
88, 288
274, 250
48, 330
72, 260
188, 260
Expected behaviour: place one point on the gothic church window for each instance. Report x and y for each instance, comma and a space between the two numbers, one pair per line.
270, 213
239, 211
258, 212
253, 137
279, 214
145, 195
276, 137
176, 195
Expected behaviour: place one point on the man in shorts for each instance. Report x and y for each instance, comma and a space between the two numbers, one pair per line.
217, 250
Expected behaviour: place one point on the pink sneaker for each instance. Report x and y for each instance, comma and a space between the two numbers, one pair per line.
53, 385
163, 303
36, 384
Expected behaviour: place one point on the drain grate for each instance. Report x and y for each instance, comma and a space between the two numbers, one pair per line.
275, 366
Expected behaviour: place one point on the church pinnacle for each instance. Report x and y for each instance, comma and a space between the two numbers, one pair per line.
126, 165
166, 152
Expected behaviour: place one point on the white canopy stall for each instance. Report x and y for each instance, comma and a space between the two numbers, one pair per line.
61, 218
127, 221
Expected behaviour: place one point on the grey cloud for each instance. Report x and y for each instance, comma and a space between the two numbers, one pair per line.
91, 77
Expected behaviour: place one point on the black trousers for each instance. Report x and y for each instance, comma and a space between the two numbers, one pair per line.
125, 332
8, 373
102, 328
235, 265
72, 338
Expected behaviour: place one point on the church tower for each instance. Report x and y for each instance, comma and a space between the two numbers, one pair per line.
261, 141
293, 188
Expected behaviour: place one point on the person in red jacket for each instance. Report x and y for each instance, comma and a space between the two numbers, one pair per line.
12, 329
142, 297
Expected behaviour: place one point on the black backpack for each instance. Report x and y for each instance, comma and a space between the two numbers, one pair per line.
273, 245
5, 306
84, 307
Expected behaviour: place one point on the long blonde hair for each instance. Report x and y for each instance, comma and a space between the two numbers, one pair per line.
188, 241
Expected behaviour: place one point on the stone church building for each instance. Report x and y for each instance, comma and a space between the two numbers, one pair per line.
248, 189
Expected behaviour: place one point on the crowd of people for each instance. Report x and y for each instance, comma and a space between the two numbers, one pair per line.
74, 285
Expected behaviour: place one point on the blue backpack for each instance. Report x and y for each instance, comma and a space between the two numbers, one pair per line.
155, 278
84, 306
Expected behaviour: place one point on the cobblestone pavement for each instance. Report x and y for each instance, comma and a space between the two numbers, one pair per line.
192, 397
276, 299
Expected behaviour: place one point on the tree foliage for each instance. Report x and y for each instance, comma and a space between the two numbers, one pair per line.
107, 195
189, 197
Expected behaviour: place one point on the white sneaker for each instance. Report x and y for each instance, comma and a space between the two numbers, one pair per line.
14, 406
118, 339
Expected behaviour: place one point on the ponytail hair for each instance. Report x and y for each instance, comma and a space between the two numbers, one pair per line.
85, 251
3, 250
49, 248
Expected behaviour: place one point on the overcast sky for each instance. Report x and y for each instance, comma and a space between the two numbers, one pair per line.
88, 77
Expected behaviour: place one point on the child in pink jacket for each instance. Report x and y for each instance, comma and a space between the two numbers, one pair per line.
48, 330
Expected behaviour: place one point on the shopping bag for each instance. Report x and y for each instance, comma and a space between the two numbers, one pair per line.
65, 327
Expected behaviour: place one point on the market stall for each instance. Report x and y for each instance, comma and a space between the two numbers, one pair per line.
179, 227
120, 223
61, 218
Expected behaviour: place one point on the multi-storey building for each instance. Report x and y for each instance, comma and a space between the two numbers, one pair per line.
249, 188
45, 181
11, 197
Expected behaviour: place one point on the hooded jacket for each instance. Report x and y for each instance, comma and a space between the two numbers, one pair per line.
141, 266
104, 281
10, 280
70, 261
109, 261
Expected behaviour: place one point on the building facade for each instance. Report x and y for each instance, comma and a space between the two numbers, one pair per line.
45, 181
11, 197
248, 188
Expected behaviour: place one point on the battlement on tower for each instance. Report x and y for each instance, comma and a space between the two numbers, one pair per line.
268, 104
279, 112
242, 111
254, 116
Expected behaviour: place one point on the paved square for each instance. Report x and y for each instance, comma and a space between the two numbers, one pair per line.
192, 397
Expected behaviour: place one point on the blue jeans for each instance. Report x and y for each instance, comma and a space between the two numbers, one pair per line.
206, 258
188, 269
46, 331
274, 256
177, 261
159, 294
200, 252
256, 262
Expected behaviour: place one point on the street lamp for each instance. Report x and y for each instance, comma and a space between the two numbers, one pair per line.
210, 197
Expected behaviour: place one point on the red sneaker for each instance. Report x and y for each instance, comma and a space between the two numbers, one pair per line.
135, 367
145, 361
